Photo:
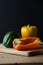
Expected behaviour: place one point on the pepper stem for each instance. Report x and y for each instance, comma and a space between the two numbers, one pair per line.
28, 25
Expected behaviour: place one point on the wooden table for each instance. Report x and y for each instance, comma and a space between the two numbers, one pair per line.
7, 59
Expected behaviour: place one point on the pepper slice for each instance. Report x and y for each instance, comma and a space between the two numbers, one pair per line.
32, 43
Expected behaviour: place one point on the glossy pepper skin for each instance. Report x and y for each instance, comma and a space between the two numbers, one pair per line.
8, 37
24, 45
29, 31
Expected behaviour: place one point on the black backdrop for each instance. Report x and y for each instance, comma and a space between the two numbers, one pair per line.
15, 13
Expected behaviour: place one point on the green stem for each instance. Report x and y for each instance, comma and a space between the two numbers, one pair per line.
28, 25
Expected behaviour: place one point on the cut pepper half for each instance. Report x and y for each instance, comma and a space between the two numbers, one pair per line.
26, 43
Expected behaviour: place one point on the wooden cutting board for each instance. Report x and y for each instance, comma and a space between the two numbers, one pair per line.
37, 51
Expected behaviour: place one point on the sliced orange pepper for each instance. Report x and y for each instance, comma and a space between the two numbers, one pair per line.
29, 43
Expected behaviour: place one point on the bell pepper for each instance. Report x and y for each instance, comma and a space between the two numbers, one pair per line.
8, 37
26, 43
29, 31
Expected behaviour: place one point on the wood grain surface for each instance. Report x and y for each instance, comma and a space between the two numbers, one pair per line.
15, 59
37, 51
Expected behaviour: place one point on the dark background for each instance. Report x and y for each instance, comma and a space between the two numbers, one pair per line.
16, 13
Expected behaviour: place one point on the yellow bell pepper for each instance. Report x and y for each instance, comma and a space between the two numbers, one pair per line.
28, 31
